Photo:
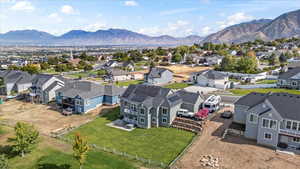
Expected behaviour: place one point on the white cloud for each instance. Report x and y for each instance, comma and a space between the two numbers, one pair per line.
67, 9
131, 3
206, 30
55, 17
95, 27
6, 1
235, 19
23, 6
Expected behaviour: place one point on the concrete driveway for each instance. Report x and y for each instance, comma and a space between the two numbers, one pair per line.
200, 89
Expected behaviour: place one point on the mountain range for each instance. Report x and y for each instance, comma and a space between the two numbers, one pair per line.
284, 26
100, 37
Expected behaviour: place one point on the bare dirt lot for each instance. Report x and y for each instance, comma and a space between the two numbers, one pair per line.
234, 152
46, 118
182, 72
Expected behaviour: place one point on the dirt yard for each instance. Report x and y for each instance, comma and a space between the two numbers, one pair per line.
234, 152
182, 72
46, 118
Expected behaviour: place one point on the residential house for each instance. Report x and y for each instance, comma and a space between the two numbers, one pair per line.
272, 119
82, 96
44, 86
116, 74
158, 76
128, 65
14, 82
149, 106
211, 78
289, 79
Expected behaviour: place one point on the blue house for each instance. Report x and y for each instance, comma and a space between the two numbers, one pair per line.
82, 96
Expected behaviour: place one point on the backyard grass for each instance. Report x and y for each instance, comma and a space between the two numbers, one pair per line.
127, 83
177, 85
266, 82
82, 74
54, 154
158, 144
274, 90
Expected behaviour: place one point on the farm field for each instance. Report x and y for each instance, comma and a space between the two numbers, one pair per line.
158, 144
242, 92
53, 154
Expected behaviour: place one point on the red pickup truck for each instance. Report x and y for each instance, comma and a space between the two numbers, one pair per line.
202, 114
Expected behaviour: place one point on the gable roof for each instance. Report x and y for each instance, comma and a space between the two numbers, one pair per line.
290, 73
287, 105
87, 89
156, 72
15, 76
211, 74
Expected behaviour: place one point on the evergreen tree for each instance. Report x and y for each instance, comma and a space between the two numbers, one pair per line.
80, 148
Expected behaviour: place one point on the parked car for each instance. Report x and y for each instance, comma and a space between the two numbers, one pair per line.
202, 114
227, 114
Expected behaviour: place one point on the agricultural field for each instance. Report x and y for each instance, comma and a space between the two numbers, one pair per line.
54, 154
158, 144
242, 92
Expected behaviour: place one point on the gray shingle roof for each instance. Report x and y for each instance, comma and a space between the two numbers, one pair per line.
287, 105
87, 89
14, 76
156, 72
211, 74
290, 73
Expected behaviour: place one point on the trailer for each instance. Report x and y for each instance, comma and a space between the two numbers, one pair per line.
212, 103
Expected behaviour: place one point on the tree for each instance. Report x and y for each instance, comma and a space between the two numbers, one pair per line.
228, 63
247, 65
273, 59
53, 61
3, 162
177, 57
283, 58
44, 66
32, 69
26, 137
80, 148
88, 67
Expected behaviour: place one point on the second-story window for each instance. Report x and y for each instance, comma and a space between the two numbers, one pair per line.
294, 125
268, 123
253, 118
133, 107
288, 125
142, 111
164, 111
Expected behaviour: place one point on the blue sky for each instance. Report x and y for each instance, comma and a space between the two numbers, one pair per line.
151, 17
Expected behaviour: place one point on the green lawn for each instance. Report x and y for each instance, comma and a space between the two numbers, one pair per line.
266, 82
54, 154
127, 83
274, 90
82, 74
158, 144
177, 85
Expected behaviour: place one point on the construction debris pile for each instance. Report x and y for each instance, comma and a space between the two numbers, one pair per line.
208, 161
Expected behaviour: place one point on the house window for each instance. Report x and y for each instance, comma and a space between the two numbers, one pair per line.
288, 125
253, 118
164, 120
299, 127
164, 111
273, 124
296, 139
266, 123
142, 120
268, 136
125, 103
133, 107
294, 83
78, 102
154, 120
142, 111
294, 125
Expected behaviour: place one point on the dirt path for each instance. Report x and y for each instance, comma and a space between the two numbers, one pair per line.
234, 152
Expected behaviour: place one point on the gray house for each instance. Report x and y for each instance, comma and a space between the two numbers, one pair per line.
13, 81
44, 86
272, 119
158, 76
152, 106
290, 79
